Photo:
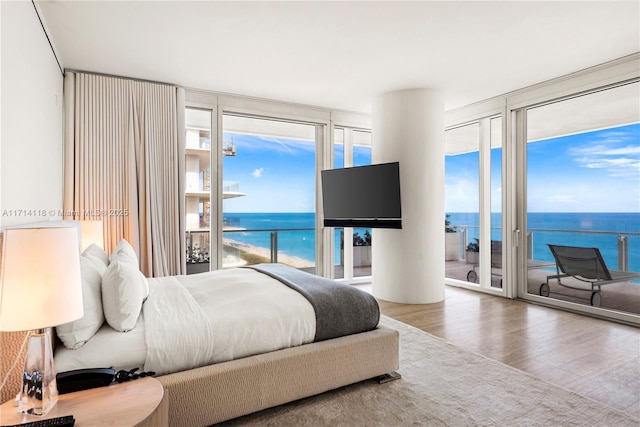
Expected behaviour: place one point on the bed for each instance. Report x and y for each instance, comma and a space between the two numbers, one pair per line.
226, 343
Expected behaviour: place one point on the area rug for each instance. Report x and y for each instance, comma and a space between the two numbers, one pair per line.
443, 385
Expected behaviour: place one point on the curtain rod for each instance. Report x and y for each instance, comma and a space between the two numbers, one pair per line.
119, 77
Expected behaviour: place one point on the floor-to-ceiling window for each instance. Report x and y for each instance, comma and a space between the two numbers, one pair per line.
473, 203
462, 202
253, 168
583, 199
269, 187
352, 246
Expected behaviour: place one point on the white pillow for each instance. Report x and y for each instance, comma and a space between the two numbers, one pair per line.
126, 256
75, 334
124, 247
124, 289
96, 251
97, 263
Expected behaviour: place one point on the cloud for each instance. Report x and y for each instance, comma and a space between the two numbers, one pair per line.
623, 151
600, 163
257, 173
604, 150
611, 153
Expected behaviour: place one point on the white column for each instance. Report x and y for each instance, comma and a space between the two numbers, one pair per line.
408, 264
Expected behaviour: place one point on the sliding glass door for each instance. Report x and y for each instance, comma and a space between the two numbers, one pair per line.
582, 186
473, 204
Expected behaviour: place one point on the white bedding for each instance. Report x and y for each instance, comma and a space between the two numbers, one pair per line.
107, 348
200, 319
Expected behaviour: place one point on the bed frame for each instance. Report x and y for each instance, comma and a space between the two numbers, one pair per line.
216, 393
220, 392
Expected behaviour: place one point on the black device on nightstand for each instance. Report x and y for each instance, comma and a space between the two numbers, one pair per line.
83, 379
64, 421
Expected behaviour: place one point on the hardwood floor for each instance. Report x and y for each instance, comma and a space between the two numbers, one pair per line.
592, 357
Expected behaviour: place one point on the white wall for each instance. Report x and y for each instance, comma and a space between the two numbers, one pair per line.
31, 150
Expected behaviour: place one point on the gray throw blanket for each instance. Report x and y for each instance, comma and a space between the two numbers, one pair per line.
340, 309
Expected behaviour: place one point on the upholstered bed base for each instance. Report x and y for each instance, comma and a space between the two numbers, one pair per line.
215, 393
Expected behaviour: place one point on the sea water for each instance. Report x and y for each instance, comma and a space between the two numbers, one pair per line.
599, 230
296, 231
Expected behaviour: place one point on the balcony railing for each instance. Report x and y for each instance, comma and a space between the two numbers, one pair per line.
236, 248
231, 186
618, 249
273, 238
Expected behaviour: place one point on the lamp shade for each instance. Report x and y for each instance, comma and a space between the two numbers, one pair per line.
40, 283
92, 233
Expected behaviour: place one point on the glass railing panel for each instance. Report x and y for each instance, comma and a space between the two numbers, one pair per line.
292, 247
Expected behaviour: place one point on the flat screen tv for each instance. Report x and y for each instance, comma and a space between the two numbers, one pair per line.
362, 196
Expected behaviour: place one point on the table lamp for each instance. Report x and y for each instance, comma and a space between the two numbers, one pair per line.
40, 287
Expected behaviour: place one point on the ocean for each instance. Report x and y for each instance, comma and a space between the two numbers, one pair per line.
595, 230
299, 243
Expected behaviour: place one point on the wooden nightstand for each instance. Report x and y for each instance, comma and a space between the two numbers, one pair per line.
134, 403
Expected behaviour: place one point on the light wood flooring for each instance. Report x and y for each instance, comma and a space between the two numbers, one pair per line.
592, 357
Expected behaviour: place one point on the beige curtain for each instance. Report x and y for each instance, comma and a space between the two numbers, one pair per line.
123, 155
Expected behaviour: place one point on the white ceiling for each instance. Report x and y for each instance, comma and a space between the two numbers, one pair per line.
342, 54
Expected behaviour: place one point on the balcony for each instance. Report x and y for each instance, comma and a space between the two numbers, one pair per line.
253, 246
619, 250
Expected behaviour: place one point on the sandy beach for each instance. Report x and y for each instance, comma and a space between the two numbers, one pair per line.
289, 260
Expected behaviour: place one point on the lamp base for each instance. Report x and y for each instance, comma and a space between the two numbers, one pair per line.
39, 391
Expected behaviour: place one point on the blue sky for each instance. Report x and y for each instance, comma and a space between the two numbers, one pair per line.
277, 175
591, 172
596, 171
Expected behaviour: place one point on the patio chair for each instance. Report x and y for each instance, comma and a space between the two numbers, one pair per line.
585, 265
496, 262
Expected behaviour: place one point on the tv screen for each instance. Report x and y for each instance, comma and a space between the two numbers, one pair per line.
362, 196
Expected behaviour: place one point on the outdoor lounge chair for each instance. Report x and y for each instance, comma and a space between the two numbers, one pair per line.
496, 262
585, 265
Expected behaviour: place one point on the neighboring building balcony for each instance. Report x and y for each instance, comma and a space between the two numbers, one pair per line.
231, 189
